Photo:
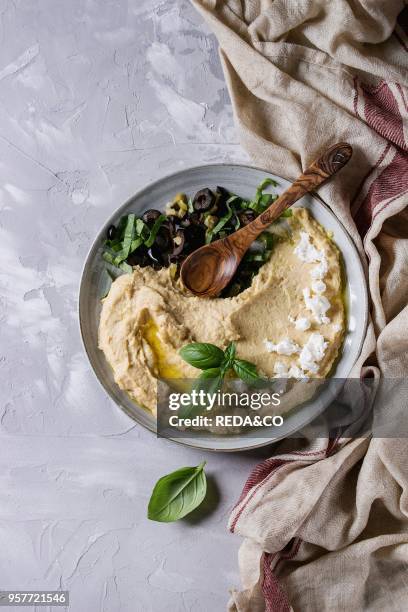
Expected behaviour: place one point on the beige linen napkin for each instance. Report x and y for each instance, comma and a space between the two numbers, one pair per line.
326, 526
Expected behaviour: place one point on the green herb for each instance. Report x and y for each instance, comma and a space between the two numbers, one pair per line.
224, 220
153, 232
246, 371
125, 267
202, 355
106, 282
135, 244
267, 240
107, 256
127, 240
264, 184
210, 381
229, 353
263, 200
244, 204
287, 213
214, 378
216, 363
177, 494
131, 233
258, 257
210, 373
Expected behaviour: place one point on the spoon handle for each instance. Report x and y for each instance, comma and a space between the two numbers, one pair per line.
320, 170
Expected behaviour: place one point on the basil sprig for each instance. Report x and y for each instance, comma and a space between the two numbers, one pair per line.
215, 362
177, 494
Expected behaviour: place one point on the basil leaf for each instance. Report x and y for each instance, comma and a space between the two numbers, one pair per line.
261, 200
107, 256
177, 494
209, 373
209, 381
246, 371
264, 184
129, 230
121, 227
202, 355
244, 205
223, 221
214, 378
106, 281
126, 267
135, 244
153, 232
229, 354
127, 240
140, 225
261, 203
267, 240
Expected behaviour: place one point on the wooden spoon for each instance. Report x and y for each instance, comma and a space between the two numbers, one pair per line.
210, 268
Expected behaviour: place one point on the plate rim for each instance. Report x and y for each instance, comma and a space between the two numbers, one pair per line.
187, 441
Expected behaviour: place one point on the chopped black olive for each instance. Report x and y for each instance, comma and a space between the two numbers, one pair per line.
163, 240
173, 223
150, 216
222, 196
139, 257
193, 218
111, 234
194, 237
178, 242
203, 200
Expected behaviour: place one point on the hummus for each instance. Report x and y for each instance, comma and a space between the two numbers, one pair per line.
290, 322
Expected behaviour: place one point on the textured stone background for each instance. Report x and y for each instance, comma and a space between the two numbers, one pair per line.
97, 98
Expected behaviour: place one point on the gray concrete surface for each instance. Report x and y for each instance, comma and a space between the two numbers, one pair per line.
97, 99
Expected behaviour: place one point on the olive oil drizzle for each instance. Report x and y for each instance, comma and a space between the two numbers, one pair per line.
152, 337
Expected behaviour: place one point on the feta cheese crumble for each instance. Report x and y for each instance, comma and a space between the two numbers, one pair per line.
283, 372
318, 286
295, 372
280, 370
284, 347
321, 269
305, 249
317, 304
308, 253
302, 323
312, 353
309, 358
